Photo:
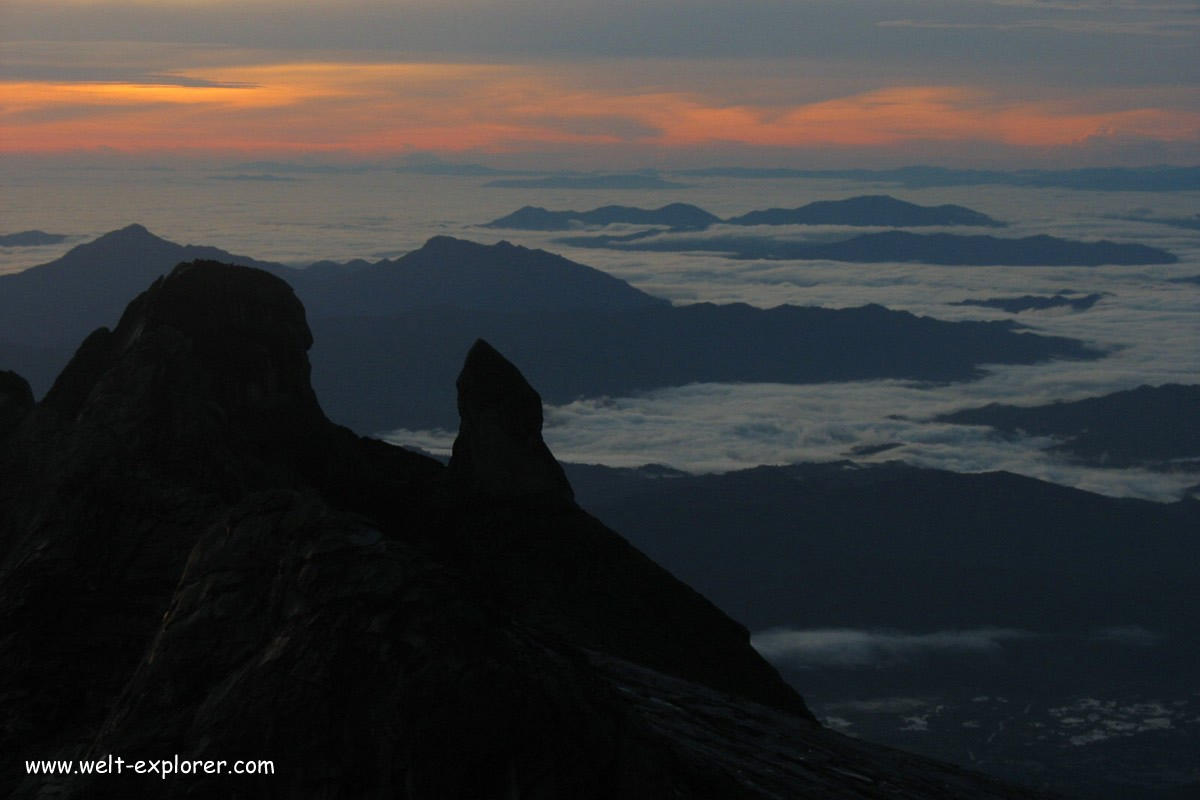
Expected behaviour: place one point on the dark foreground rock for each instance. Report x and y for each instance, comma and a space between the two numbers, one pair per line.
194, 561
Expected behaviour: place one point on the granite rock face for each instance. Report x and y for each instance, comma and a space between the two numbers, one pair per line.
195, 562
499, 451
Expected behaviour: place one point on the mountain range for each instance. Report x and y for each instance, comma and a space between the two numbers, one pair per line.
881, 210
195, 561
675, 215
867, 210
577, 331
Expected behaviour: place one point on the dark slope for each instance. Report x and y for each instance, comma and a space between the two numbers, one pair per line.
453, 272
675, 215
591, 353
829, 545
1075, 615
194, 561
867, 210
1157, 427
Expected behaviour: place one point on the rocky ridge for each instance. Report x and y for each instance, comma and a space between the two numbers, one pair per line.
195, 561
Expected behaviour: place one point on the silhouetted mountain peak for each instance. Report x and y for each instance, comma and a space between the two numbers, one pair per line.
446, 271
499, 450
134, 229
175, 579
123, 241
452, 247
244, 327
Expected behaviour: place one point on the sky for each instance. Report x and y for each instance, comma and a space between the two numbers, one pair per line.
613, 84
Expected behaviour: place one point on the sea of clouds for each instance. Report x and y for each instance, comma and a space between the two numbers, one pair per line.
1148, 323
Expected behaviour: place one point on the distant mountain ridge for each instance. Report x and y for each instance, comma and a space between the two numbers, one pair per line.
862, 211
943, 249
453, 272
32, 238
882, 210
44, 310
674, 215
579, 331
91, 283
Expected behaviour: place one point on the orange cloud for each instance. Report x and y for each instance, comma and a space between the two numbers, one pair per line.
379, 108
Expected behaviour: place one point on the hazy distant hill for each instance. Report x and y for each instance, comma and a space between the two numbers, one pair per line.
881, 210
897, 246
66, 299
46, 310
30, 239
675, 215
454, 272
1157, 427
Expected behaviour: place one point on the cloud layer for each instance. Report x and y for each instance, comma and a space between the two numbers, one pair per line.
844, 647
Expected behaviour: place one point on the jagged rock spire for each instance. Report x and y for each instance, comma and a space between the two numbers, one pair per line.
499, 451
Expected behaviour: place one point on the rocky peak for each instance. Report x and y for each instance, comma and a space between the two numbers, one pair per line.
332, 610
243, 326
499, 451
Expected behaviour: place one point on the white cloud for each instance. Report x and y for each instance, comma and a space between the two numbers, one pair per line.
845, 647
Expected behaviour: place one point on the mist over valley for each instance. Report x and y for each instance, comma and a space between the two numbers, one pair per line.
954, 505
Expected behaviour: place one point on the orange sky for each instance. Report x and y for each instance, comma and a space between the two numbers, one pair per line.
381, 108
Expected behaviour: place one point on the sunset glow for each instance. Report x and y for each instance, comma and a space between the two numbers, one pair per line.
379, 108
638, 81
